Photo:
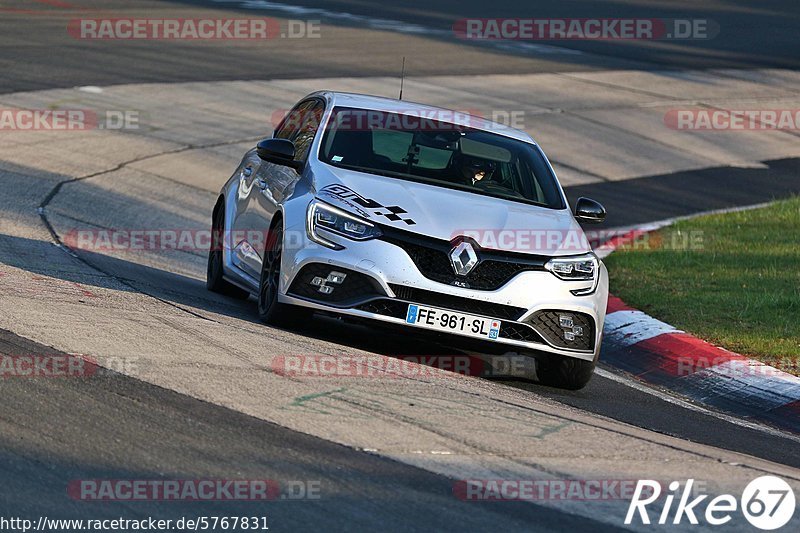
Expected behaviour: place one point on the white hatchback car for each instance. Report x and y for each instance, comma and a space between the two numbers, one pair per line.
418, 216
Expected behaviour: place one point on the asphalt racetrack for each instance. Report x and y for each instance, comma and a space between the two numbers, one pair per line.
188, 388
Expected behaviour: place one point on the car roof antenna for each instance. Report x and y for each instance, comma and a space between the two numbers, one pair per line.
402, 76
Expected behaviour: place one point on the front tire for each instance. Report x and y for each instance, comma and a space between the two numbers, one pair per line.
270, 310
565, 372
214, 273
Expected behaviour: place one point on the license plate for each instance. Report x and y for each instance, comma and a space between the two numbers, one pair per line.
453, 322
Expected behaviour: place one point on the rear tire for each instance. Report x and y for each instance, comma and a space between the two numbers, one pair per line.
565, 372
214, 280
270, 310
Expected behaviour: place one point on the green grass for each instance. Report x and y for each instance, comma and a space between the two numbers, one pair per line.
732, 279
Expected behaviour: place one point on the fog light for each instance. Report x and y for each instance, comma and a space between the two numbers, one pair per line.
567, 323
337, 278
324, 284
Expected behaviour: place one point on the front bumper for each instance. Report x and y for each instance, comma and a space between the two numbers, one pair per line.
387, 281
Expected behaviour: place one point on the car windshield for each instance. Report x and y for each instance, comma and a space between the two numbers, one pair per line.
417, 148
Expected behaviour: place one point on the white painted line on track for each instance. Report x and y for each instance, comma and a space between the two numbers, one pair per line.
93, 89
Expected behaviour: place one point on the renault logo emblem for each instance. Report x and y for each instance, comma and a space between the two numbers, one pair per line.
463, 258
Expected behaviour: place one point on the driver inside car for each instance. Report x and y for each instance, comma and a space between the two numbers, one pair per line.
476, 170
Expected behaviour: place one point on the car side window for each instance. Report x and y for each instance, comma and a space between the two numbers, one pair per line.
291, 124
305, 137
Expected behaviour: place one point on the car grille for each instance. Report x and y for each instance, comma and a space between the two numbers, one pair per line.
386, 307
519, 332
356, 287
547, 323
457, 303
432, 258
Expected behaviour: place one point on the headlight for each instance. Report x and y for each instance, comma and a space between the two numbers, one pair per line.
322, 216
576, 268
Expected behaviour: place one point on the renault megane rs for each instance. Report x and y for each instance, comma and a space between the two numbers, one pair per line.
417, 216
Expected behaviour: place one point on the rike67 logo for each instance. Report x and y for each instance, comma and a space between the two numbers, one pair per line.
768, 503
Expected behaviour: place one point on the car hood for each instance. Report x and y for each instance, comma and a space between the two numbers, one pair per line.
448, 214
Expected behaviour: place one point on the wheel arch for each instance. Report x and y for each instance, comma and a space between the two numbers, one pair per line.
276, 220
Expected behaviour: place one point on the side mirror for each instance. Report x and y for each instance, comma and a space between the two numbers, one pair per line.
587, 210
278, 151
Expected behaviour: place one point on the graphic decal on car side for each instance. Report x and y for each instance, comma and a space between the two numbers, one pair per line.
350, 197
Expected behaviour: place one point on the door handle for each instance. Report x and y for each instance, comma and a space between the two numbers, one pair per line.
262, 183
